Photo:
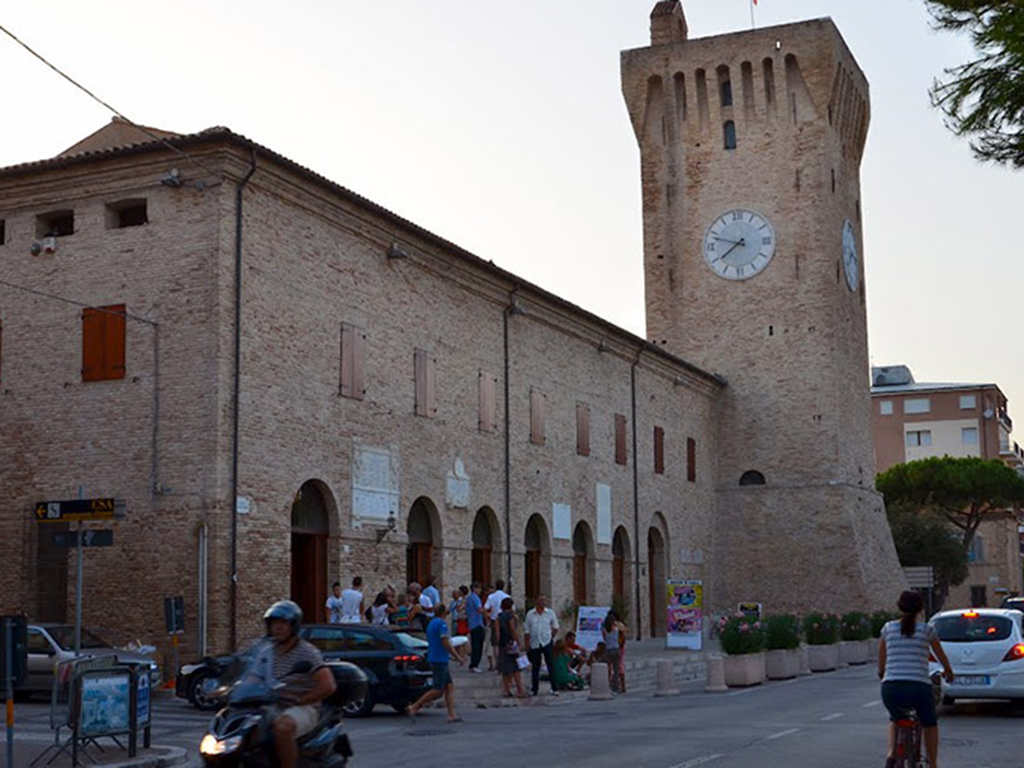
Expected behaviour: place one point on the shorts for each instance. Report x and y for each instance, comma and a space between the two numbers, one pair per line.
305, 718
442, 677
900, 696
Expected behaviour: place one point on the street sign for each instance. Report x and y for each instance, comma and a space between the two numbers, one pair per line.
103, 537
174, 614
920, 577
74, 510
13, 656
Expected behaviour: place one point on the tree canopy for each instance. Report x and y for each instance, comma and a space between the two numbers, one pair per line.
966, 491
984, 99
924, 537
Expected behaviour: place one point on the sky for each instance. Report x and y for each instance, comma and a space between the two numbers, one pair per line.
501, 126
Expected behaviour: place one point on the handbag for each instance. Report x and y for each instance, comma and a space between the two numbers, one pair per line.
513, 648
522, 662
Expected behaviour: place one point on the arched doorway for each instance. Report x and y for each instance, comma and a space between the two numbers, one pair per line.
423, 552
621, 571
310, 530
657, 575
582, 563
484, 536
537, 571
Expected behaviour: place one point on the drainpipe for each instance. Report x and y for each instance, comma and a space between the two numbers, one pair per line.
237, 385
508, 446
636, 498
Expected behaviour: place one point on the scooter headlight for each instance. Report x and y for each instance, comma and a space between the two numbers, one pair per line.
211, 745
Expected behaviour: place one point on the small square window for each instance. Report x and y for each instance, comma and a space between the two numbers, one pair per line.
969, 435
917, 405
55, 224
968, 402
127, 213
885, 407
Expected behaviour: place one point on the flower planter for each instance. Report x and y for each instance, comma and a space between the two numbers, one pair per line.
853, 651
823, 658
782, 664
747, 669
873, 644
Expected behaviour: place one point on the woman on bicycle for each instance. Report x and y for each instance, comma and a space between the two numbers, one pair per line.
903, 668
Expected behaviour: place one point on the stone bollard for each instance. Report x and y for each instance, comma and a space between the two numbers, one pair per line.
716, 675
666, 680
600, 690
805, 660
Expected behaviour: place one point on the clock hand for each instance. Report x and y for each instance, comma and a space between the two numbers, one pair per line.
732, 248
724, 240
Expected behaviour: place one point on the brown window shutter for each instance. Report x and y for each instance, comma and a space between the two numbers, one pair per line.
488, 389
1, 341
421, 382
582, 429
92, 345
353, 353
536, 417
114, 328
659, 451
691, 459
431, 386
620, 439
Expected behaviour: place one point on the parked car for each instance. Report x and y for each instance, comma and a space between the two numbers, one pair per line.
394, 660
1013, 603
986, 650
50, 644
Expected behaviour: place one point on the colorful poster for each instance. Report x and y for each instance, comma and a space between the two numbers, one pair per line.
685, 614
588, 626
752, 610
105, 703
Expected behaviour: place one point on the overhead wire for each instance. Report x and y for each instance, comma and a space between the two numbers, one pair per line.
98, 100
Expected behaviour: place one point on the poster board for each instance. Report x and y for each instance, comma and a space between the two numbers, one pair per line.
105, 703
588, 626
685, 614
753, 610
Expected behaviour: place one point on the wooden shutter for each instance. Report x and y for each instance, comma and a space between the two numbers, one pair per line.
537, 402
426, 384
659, 451
103, 343
1, 325
582, 429
114, 327
620, 439
488, 389
92, 345
691, 459
353, 355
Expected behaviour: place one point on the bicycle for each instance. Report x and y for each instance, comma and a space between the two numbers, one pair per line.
909, 737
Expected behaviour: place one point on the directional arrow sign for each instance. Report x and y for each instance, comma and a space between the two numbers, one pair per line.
74, 510
99, 538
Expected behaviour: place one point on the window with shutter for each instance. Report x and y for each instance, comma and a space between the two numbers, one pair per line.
620, 439
1, 350
691, 459
103, 343
353, 354
537, 402
426, 384
659, 451
488, 401
582, 429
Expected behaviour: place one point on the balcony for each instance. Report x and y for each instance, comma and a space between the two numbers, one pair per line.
1005, 420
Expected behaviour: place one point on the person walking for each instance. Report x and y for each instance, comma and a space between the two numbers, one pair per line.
439, 655
612, 631
475, 622
352, 602
334, 604
507, 643
540, 628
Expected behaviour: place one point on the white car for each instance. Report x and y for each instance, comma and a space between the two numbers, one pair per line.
985, 647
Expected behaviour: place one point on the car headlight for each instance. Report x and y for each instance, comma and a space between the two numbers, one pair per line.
211, 745
188, 669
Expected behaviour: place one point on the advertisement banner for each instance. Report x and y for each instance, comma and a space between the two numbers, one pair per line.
685, 614
588, 626
104, 704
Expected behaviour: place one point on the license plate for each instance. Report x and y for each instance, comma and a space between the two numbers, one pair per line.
971, 680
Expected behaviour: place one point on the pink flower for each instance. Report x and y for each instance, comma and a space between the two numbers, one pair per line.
817, 625
744, 628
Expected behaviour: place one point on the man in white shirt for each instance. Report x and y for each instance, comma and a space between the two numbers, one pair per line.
352, 603
334, 604
540, 628
492, 607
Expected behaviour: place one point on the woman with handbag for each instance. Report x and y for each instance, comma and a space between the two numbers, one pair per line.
509, 650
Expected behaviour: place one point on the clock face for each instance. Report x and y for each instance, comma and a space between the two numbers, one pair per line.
851, 261
739, 244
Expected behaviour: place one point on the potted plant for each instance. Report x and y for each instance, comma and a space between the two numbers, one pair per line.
742, 639
782, 641
854, 631
821, 630
878, 620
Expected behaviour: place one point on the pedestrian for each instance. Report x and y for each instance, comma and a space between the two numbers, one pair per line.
439, 655
334, 604
352, 602
475, 623
507, 643
540, 629
492, 607
431, 591
382, 610
421, 610
577, 656
400, 618
612, 631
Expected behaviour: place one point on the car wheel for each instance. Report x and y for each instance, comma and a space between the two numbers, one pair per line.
200, 691
360, 707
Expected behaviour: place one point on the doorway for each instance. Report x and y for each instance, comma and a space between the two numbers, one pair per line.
582, 563
657, 576
424, 548
310, 530
537, 559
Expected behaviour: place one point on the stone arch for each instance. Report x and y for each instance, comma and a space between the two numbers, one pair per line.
424, 553
486, 556
657, 572
622, 572
752, 477
583, 557
313, 510
537, 574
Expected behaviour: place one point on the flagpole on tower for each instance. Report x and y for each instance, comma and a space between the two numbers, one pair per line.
752, 4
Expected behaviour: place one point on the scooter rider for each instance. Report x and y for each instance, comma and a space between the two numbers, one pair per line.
304, 690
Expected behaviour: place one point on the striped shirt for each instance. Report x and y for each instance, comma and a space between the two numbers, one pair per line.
906, 658
297, 684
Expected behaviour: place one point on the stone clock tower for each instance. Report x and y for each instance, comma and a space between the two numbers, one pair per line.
751, 146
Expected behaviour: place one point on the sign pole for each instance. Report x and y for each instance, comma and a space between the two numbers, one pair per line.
78, 585
9, 685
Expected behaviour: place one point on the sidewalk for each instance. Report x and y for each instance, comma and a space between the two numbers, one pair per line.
112, 756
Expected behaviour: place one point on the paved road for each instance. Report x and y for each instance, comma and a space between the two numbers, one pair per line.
825, 721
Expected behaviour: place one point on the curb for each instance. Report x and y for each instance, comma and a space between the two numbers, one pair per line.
170, 757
